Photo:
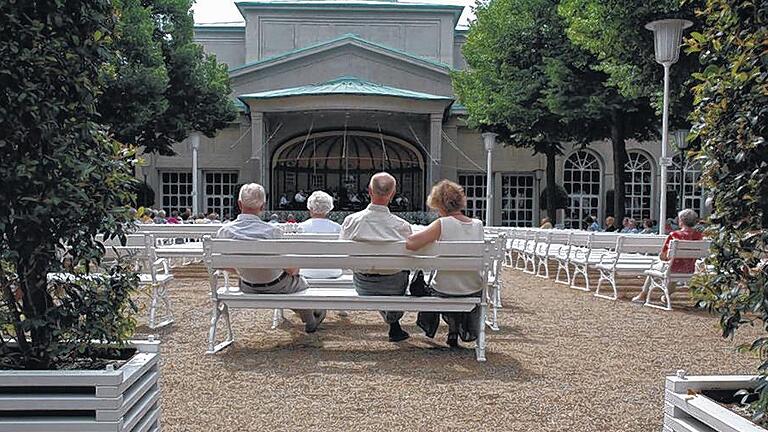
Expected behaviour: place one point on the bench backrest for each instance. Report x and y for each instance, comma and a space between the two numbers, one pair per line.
639, 244
179, 230
689, 249
604, 241
286, 253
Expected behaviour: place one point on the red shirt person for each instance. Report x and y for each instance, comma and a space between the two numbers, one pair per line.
687, 220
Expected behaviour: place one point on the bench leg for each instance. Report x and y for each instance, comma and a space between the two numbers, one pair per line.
579, 270
495, 301
219, 309
277, 318
663, 285
480, 347
608, 277
563, 266
160, 293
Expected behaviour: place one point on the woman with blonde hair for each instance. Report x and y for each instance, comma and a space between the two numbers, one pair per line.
449, 199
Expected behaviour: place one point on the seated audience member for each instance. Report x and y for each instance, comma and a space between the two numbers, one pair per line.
610, 222
687, 220
160, 217
648, 226
200, 219
449, 200
546, 223
376, 224
148, 217
591, 224
274, 219
284, 202
319, 205
290, 218
213, 217
249, 226
174, 219
630, 227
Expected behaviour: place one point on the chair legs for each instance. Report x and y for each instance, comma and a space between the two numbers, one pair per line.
610, 278
159, 298
579, 269
219, 310
560, 267
277, 318
480, 344
666, 295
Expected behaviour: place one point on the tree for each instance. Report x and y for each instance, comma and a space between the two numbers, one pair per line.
731, 121
62, 181
526, 81
613, 31
160, 85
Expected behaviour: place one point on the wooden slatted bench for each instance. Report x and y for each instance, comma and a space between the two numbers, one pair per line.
221, 254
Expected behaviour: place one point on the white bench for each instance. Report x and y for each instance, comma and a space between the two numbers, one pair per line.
222, 254
662, 277
582, 257
554, 241
634, 254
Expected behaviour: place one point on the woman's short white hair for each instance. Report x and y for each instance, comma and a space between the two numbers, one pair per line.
688, 218
320, 202
252, 195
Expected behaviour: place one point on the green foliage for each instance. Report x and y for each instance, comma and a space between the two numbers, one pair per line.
160, 85
731, 120
62, 181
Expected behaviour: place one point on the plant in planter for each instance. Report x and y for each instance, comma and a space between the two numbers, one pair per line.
731, 121
63, 182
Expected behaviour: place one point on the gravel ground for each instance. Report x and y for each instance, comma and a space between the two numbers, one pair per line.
563, 360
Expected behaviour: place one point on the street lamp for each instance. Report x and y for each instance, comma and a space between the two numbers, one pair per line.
682, 145
667, 37
538, 174
194, 139
489, 140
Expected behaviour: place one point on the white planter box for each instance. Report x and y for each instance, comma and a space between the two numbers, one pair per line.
687, 410
122, 400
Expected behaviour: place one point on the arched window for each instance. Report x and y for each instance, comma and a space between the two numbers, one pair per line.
637, 186
581, 179
692, 194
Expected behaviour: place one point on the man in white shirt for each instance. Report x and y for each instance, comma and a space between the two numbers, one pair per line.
249, 226
377, 224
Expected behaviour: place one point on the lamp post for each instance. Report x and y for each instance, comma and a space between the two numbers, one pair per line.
194, 139
682, 145
538, 174
667, 37
489, 140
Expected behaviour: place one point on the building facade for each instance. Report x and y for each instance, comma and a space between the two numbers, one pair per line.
331, 92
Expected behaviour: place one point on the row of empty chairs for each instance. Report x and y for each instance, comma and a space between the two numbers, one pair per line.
612, 255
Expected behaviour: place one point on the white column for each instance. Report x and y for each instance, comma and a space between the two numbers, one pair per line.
258, 150
489, 141
435, 148
195, 141
664, 161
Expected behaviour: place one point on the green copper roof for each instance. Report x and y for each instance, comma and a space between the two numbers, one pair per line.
345, 86
350, 37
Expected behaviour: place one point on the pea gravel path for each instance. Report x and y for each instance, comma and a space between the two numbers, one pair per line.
563, 360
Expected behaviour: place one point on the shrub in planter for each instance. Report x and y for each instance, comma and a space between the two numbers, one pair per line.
731, 120
63, 181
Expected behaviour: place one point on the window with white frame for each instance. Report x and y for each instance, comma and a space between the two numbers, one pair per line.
637, 186
474, 188
582, 180
693, 195
219, 190
175, 191
517, 200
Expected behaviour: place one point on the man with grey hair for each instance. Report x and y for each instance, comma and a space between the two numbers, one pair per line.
249, 226
376, 224
687, 219
319, 205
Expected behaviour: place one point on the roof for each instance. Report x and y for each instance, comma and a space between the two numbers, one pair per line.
352, 4
347, 38
346, 86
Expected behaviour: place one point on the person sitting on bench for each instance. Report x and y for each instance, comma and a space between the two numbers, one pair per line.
249, 226
319, 205
376, 224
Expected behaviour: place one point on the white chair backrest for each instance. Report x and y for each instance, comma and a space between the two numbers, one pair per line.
639, 244
604, 241
689, 248
179, 230
559, 237
581, 239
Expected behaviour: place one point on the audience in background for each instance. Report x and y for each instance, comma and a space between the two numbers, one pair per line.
546, 223
274, 219
648, 225
174, 219
630, 227
160, 217
591, 224
610, 224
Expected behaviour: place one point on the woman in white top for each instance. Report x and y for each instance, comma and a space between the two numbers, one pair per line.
449, 200
319, 205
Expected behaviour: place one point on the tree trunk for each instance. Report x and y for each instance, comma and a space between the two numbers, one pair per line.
619, 147
551, 186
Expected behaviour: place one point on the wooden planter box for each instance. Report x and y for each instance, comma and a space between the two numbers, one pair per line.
686, 409
116, 400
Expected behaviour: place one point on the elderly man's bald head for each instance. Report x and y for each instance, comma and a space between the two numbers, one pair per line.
382, 185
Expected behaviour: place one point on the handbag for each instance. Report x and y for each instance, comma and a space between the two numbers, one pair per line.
419, 286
